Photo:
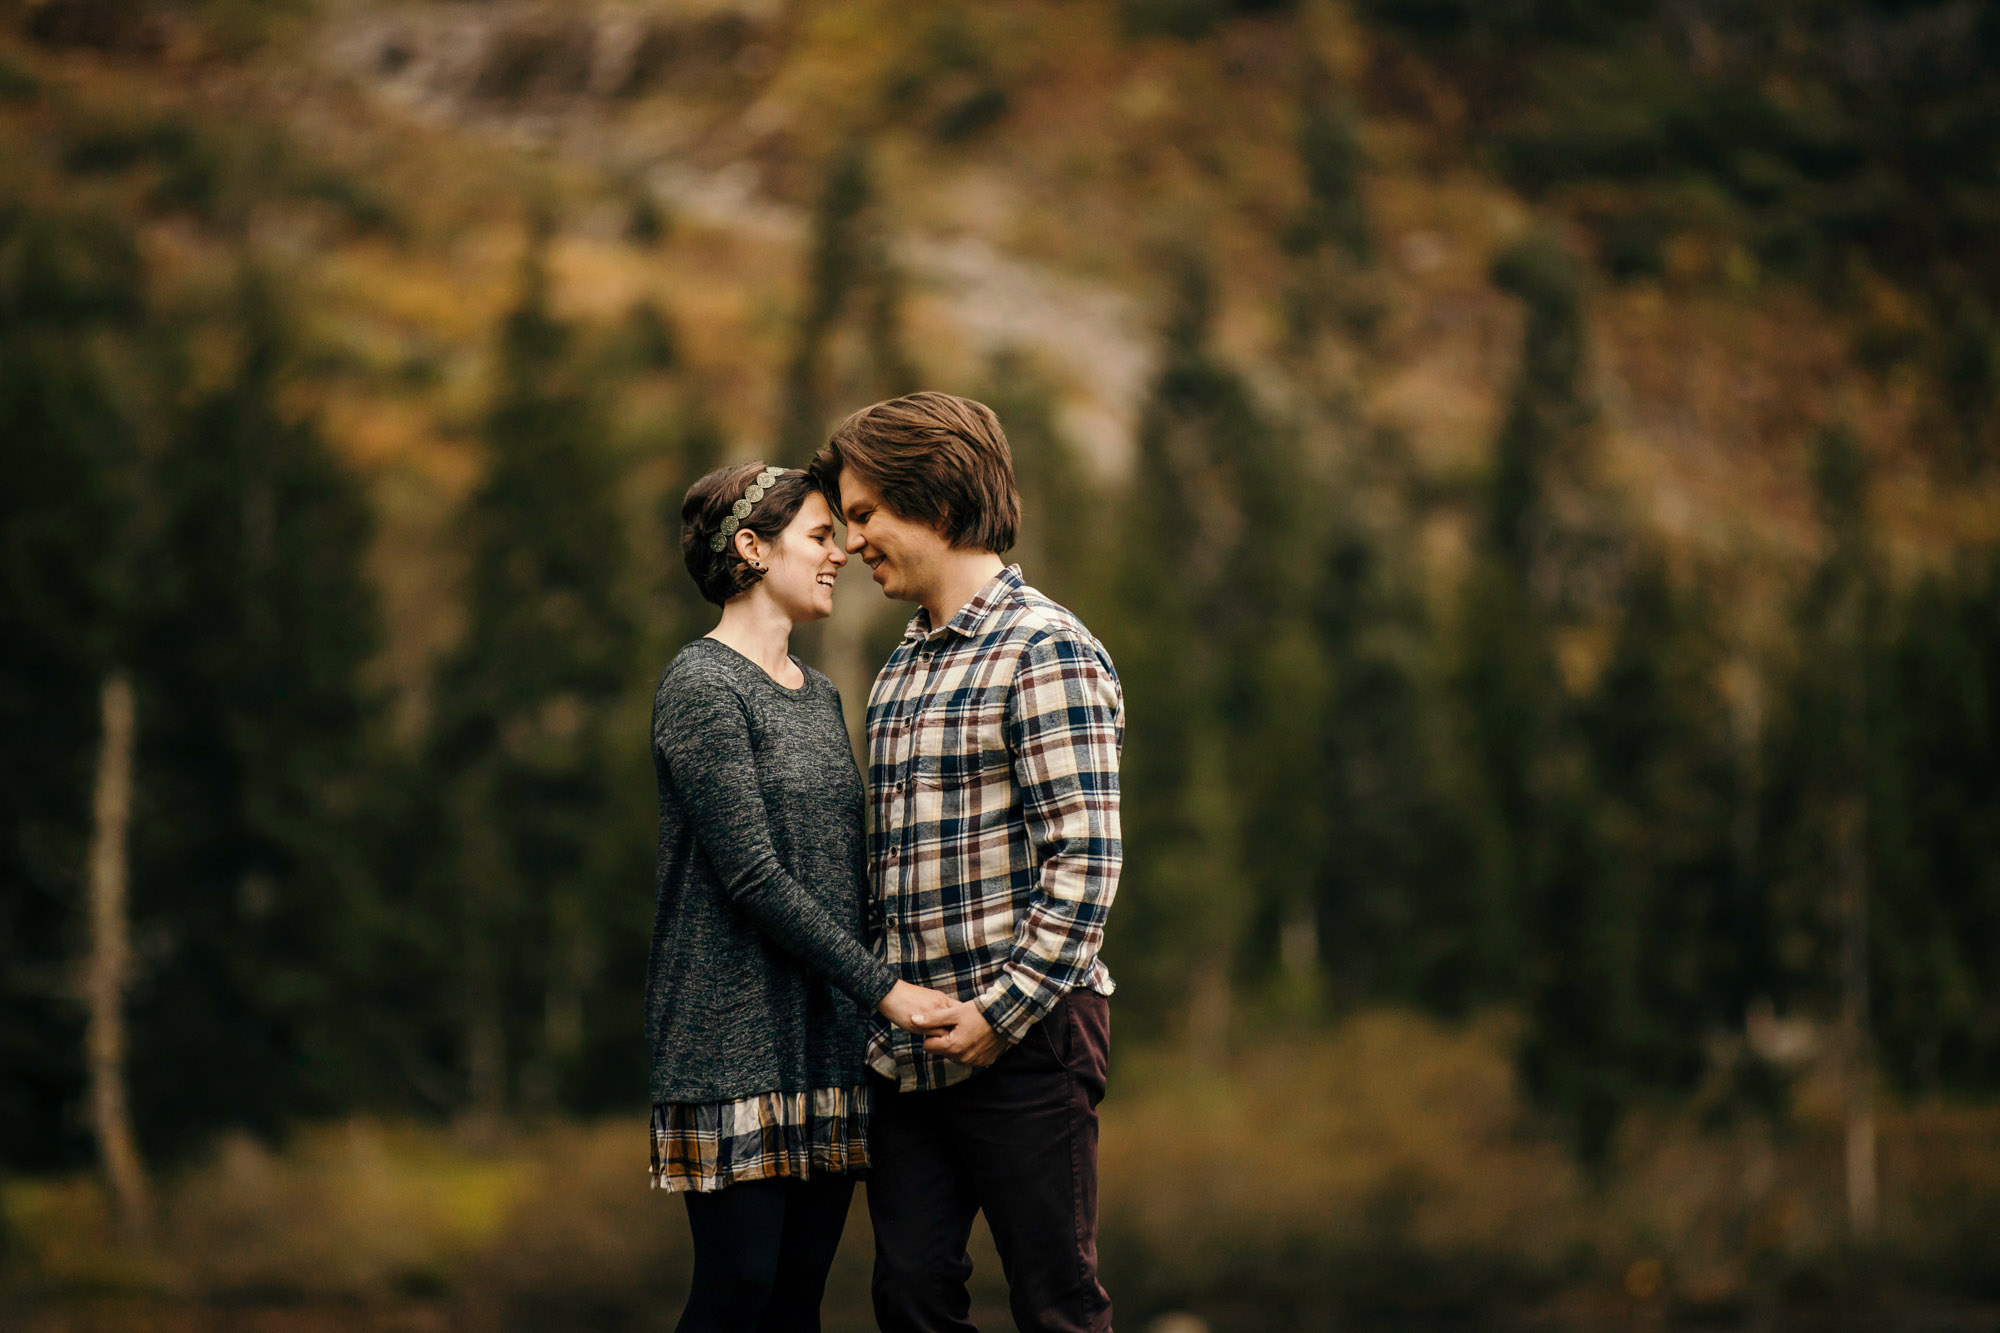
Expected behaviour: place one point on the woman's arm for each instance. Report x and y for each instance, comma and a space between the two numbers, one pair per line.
703, 735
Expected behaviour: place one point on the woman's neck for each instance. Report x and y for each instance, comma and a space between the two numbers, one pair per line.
761, 632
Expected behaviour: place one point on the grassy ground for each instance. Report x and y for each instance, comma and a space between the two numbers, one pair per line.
1384, 1172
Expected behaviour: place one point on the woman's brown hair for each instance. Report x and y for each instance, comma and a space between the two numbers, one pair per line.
936, 458
723, 574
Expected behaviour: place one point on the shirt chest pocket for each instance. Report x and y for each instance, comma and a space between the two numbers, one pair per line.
961, 743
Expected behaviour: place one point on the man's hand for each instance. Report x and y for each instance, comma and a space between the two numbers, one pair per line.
970, 1039
905, 1001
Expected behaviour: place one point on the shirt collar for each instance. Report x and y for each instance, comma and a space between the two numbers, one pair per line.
973, 614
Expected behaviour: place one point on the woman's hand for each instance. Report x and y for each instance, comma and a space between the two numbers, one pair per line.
904, 1002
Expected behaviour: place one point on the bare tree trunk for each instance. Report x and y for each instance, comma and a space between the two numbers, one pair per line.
1210, 1001
108, 968
486, 891
572, 961
1298, 942
485, 1037
1857, 1047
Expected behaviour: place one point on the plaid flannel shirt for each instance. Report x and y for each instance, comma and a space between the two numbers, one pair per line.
993, 748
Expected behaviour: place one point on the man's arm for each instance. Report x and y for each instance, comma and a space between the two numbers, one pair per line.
1063, 730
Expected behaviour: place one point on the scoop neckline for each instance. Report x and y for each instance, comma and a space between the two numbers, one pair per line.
791, 692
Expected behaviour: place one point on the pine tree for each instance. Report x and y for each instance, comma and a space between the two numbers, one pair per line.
1331, 248
1397, 851
1604, 811
1218, 683
1513, 697
1936, 767
256, 626
526, 717
1827, 896
1636, 965
849, 351
853, 297
72, 315
1062, 513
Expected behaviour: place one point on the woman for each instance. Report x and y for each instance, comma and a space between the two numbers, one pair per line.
759, 976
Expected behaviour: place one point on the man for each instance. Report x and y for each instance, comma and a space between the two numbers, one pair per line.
993, 743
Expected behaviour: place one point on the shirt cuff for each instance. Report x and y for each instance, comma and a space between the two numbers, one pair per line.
1011, 1010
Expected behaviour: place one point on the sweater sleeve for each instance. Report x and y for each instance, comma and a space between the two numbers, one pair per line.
703, 734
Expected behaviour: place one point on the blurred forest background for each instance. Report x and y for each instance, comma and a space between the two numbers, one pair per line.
1535, 463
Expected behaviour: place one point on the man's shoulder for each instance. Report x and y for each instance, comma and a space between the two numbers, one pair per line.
1035, 623
1031, 616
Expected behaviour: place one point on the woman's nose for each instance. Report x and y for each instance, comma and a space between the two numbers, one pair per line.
839, 557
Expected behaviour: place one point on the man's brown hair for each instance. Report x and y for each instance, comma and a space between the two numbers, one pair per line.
936, 458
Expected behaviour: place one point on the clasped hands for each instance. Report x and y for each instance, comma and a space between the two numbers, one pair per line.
954, 1029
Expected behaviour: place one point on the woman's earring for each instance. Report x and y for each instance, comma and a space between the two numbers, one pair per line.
759, 568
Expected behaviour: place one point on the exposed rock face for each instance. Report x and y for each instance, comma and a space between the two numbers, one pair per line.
564, 76
482, 58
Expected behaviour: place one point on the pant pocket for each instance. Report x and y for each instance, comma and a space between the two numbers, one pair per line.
1055, 1031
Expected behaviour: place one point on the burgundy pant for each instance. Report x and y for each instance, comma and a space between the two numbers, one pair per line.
1017, 1141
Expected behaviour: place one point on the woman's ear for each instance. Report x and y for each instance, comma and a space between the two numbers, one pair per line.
750, 549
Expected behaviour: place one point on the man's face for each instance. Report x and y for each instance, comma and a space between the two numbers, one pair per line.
903, 553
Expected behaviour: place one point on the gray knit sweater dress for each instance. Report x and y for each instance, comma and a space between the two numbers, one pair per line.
760, 977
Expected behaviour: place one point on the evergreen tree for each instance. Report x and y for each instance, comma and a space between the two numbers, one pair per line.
1397, 851
1663, 782
1513, 697
1386, 848
256, 626
849, 351
1836, 838
72, 312
1331, 249
1937, 767
849, 342
1819, 765
1062, 514
1605, 822
1635, 969
527, 720
1205, 664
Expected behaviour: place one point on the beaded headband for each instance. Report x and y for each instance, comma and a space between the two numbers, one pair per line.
741, 509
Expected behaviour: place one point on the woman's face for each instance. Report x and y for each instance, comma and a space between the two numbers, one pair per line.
803, 562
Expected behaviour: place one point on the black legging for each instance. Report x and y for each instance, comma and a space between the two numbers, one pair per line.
761, 1254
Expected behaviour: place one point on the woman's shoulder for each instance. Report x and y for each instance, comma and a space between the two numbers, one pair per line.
702, 669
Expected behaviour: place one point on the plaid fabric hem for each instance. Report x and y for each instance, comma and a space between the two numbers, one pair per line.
705, 1146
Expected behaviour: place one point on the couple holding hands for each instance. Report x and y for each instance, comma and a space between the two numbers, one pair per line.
916, 996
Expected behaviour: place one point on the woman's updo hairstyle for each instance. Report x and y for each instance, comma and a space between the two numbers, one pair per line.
723, 574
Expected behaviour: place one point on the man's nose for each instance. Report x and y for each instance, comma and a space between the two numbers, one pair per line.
855, 540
